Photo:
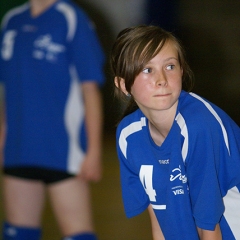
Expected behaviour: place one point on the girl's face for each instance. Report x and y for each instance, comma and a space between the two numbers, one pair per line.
158, 85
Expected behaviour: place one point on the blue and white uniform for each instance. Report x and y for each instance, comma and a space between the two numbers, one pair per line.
43, 61
192, 179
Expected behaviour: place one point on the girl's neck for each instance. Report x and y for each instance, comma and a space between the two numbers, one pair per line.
39, 6
160, 124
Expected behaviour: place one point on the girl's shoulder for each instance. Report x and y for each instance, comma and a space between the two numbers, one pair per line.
199, 113
134, 120
195, 107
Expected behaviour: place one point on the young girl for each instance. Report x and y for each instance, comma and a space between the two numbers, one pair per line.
179, 154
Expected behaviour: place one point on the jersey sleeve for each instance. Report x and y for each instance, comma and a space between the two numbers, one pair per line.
135, 199
212, 167
86, 52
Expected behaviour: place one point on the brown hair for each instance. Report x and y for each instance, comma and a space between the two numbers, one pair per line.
134, 48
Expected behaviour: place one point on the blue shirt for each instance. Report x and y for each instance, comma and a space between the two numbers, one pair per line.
192, 179
43, 60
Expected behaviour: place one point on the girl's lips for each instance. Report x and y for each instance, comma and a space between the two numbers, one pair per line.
162, 95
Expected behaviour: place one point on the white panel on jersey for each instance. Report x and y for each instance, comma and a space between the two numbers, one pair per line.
209, 107
182, 124
132, 128
232, 210
146, 175
73, 117
71, 19
158, 207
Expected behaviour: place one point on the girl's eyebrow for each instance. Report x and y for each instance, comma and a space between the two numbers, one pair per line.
165, 60
170, 58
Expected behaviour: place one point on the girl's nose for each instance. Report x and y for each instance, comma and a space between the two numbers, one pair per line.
161, 80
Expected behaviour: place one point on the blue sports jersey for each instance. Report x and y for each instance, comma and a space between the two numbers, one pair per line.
43, 60
192, 179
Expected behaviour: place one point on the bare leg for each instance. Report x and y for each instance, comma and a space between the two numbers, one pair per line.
23, 201
71, 204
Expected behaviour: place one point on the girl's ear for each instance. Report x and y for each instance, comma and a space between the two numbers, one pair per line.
120, 84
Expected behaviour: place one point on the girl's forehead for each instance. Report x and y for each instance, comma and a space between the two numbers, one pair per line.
169, 44
167, 50
154, 48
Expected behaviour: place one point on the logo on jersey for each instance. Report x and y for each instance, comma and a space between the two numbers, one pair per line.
164, 161
45, 48
178, 190
177, 175
29, 28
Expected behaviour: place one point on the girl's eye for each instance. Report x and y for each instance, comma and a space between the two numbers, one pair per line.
147, 70
170, 67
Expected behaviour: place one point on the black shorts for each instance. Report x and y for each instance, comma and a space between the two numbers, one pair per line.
47, 176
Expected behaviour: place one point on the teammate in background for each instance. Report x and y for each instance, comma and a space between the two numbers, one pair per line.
179, 154
51, 66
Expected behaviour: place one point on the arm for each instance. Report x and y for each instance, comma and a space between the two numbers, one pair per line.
156, 230
210, 235
91, 168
